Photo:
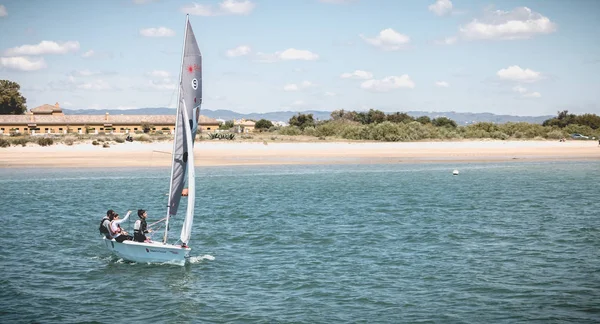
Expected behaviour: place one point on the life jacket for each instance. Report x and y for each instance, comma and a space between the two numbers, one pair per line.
140, 227
103, 230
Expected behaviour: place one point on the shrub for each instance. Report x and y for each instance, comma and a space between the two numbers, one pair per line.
69, 141
555, 134
310, 131
158, 132
105, 145
290, 130
354, 132
143, 138
20, 141
499, 135
119, 140
4, 143
45, 141
95, 143
327, 129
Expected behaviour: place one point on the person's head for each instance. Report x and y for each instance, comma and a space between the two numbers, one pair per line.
142, 213
111, 216
110, 212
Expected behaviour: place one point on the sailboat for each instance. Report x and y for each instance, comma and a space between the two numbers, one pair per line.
186, 125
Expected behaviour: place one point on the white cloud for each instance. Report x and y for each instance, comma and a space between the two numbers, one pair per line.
533, 95
165, 84
139, 2
388, 40
520, 23
525, 94
442, 84
241, 50
157, 32
84, 73
298, 103
96, 85
89, 53
227, 7
158, 74
447, 41
297, 87
338, 1
22, 63
441, 7
290, 54
3, 12
330, 94
516, 73
44, 47
357, 74
388, 83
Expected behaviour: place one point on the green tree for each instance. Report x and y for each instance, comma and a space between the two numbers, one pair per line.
302, 120
375, 116
424, 120
226, 125
263, 124
591, 120
444, 122
399, 117
562, 120
11, 100
337, 114
146, 126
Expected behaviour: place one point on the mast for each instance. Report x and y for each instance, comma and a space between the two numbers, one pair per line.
187, 17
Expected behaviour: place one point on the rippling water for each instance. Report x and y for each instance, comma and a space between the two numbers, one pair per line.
514, 242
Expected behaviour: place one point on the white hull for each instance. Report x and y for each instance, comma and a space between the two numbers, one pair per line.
155, 252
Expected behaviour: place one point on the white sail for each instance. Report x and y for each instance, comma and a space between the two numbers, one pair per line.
186, 229
186, 125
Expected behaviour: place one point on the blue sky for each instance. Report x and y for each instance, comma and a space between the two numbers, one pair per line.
525, 57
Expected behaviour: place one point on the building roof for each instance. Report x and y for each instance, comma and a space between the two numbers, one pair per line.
96, 119
47, 109
243, 122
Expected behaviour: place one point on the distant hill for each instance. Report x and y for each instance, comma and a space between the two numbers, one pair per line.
460, 118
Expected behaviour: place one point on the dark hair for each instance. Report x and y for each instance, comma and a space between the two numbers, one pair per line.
141, 212
110, 212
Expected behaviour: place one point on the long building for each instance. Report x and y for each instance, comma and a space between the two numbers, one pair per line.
50, 119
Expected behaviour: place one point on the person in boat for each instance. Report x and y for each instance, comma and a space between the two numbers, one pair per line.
140, 228
105, 223
116, 231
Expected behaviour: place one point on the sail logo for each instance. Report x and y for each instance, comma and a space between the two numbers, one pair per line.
193, 67
195, 83
155, 251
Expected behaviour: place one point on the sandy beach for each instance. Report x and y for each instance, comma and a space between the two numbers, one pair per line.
209, 153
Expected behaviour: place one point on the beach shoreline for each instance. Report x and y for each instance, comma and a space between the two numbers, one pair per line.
226, 153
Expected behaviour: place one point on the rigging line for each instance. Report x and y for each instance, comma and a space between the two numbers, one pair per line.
171, 97
158, 221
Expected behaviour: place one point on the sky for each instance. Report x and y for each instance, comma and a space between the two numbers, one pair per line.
517, 57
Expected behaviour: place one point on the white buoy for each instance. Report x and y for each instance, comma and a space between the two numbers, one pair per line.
455, 172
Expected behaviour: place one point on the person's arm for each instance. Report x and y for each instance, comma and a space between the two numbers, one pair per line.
124, 218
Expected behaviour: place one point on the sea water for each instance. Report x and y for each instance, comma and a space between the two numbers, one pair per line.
501, 242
